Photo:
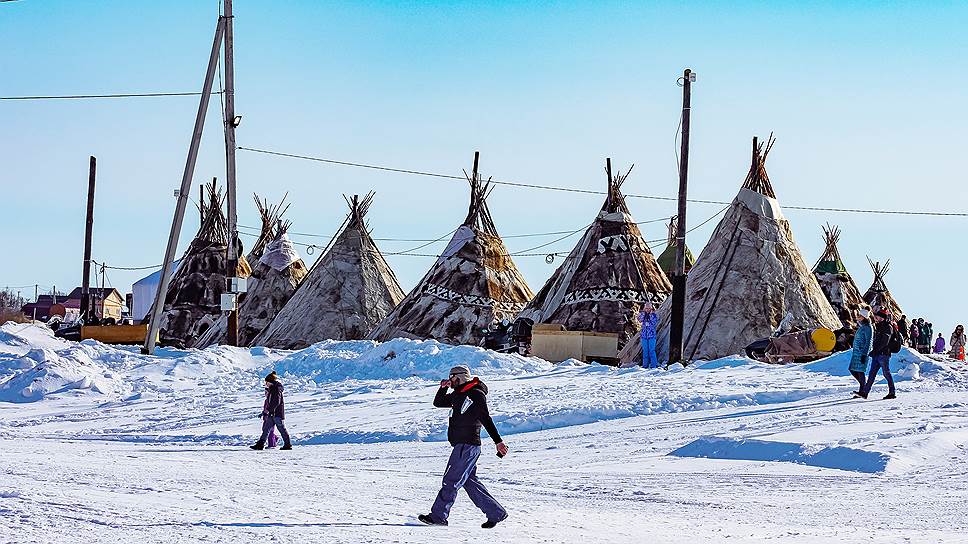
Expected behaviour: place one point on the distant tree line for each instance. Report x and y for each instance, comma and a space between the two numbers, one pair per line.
10, 305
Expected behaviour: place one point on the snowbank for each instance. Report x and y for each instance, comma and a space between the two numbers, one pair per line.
19, 338
75, 369
363, 391
331, 360
748, 449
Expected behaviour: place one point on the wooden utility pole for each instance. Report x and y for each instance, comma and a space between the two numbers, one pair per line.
36, 299
88, 233
186, 186
679, 276
201, 204
103, 297
608, 172
232, 263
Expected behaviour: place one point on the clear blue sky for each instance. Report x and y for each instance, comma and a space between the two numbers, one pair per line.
866, 100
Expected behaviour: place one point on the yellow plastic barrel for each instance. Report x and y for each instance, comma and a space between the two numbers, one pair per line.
824, 339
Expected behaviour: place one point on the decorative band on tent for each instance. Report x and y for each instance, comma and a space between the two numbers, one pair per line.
620, 242
472, 300
613, 294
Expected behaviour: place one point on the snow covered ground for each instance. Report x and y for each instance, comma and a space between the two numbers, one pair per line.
102, 444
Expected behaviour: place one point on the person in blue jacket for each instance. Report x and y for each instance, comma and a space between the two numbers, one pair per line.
650, 325
861, 349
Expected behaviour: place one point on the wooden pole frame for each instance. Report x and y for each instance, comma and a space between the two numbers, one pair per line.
88, 234
232, 262
183, 195
678, 313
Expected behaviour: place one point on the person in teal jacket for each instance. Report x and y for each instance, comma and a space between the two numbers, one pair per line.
861, 348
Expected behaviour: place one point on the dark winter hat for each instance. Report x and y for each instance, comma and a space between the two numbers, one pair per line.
271, 377
461, 370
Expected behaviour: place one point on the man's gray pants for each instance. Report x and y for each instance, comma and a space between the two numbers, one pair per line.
462, 472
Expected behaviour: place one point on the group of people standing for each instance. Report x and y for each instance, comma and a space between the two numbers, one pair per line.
919, 335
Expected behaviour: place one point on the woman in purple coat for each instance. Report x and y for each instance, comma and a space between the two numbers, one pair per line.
650, 325
273, 414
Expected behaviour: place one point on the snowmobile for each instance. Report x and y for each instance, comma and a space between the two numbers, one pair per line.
793, 347
509, 337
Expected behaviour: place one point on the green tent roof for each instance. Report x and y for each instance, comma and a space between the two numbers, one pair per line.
667, 260
830, 267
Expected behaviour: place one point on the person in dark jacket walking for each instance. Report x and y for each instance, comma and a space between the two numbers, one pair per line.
904, 328
468, 413
881, 355
861, 349
273, 413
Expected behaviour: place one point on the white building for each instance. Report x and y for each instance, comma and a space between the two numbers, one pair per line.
143, 293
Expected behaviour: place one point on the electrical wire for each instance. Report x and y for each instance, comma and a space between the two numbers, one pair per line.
588, 191
529, 235
412, 252
126, 267
90, 96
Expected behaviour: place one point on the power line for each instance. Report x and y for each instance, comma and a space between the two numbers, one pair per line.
126, 267
87, 96
588, 191
508, 236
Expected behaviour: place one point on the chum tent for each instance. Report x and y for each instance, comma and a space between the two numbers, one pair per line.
606, 278
193, 301
269, 217
349, 290
473, 283
878, 295
748, 278
837, 284
275, 277
667, 259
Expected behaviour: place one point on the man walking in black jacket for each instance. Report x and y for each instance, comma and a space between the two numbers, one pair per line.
468, 413
881, 354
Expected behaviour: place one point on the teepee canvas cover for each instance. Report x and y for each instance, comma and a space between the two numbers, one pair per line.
269, 216
473, 283
747, 278
276, 276
606, 277
837, 284
193, 300
878, 295
347, 292
667, 259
